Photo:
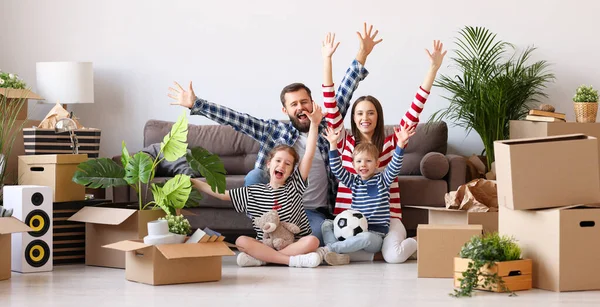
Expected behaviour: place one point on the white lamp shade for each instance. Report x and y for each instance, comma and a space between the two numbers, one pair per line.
65, 82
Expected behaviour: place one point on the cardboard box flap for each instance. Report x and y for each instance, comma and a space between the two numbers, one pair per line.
452, 227
556, 138
435, 208
127, 246
11, 225
106, 216
19, 93
178, 251
579, 206
54, 159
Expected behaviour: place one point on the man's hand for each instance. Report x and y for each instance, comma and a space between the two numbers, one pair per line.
183, 98
404, 133
316, 115
331, 136
328, 46
367, 42
437, 56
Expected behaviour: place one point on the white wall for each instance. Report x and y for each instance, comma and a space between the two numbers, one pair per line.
241, 53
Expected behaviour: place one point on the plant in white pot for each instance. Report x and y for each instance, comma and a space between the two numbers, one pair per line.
585, 104
138, 171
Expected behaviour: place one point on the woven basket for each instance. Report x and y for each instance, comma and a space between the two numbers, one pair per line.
585, 112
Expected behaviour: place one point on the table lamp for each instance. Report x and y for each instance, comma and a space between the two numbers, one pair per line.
65, 82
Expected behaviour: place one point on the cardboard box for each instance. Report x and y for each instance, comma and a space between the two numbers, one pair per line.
17, 150
19, 95
563, 244
547, 172
515, 274
46, 141
8, 226
172, 263
444, 216
109, 225
520, 129
437, 245
55, 171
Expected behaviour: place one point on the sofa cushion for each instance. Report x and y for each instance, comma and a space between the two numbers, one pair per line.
431, 137
434, 165
420, 191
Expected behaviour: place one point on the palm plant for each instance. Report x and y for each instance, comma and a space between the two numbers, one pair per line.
489, 90
139, 170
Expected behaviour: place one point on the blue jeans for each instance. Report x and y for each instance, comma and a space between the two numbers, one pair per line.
315, 218
369, 241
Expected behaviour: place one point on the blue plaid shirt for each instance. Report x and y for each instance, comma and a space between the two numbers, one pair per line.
270, 133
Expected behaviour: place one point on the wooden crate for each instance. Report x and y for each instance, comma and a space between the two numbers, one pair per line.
68, 237
515, 274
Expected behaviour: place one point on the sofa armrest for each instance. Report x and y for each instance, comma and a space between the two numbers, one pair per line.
457, 174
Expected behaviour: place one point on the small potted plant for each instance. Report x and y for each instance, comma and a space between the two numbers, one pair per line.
586, 104
491, 262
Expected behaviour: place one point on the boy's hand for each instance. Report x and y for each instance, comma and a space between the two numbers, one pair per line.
182, 97
331, 136
404, 133
317, 114
437, 56
329, 46
367, 40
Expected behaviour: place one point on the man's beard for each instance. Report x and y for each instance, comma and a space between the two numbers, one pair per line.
300, 126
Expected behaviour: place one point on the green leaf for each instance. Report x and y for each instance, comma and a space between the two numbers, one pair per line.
194, 199
209, 166
177, 190
174, 144
124, 155
138, 169
99, 173
160, 199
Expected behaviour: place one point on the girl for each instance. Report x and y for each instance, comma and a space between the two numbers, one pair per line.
367, 126
283, 193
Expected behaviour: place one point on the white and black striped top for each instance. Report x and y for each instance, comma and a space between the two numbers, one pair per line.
255, 200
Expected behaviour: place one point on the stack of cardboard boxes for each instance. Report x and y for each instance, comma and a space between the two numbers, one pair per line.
548, 193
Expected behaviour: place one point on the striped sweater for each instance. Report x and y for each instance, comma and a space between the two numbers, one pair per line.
372, 196
346, 143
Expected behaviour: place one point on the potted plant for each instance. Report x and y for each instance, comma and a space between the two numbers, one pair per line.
13, 100
491, 262
585, 104
138, 172
489, 89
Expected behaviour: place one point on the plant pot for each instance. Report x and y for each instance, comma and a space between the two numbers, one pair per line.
585, 112
515, 274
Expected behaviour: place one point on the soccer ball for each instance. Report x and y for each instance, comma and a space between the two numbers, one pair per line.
348, 224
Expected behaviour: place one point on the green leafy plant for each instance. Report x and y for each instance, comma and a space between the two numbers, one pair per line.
178, 224
5, 212
8, 80
490, 90
585, 94
486, 251
9, 129
139, 169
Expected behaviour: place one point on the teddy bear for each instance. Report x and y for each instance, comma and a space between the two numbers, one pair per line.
276, 234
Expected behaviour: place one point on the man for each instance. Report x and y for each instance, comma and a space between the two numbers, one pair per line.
319, 197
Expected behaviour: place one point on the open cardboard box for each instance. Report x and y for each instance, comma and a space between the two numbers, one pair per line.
547, 172
172, 263
8, 226
14, 95
107, 224
444, 216
563, 243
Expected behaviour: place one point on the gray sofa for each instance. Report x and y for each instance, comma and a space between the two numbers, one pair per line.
427, 174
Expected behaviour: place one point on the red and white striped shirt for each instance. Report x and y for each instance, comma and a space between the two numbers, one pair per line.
346, 143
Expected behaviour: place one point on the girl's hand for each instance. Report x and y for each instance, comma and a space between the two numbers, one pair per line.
316, 115
404, 133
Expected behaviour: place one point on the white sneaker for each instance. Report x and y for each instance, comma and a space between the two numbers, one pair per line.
332, 258
310, 260
245, 260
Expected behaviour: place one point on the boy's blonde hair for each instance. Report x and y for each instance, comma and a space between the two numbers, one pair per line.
369, 148
287, 148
